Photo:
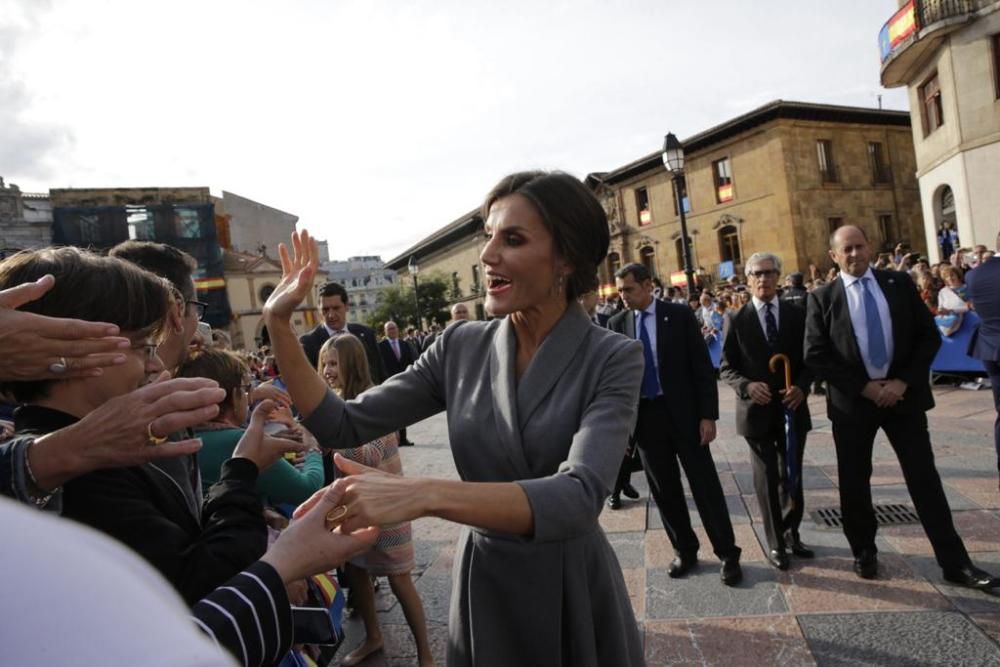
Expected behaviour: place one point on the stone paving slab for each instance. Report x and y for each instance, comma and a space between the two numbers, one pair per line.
701, 594
964, 599
914, 639
761, 640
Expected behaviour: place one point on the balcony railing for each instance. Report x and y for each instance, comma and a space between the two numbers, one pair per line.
916, 29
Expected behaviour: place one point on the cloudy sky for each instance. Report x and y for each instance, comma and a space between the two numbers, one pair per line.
378, 121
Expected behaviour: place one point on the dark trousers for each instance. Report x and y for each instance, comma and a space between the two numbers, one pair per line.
624, 475
660, 449
993, 370
907, 433
780, 506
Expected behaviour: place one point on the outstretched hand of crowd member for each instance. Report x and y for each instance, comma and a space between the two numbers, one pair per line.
128, 430
269, 391
37, 347
259, 447
370, 497
298, 271
308, 547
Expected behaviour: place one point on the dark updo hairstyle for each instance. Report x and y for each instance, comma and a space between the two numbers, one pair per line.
88, 287
571, 213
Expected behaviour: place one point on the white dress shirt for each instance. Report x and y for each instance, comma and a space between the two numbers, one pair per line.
759, 306
651, 331
856, 305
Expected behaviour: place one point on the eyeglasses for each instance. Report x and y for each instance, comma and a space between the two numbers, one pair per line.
769, 273
200, 306
247, 388
148, 347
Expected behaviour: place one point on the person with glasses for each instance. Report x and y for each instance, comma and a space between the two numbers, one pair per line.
762, 328
283, 482
195, 548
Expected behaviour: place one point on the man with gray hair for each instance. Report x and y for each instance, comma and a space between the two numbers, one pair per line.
761, 329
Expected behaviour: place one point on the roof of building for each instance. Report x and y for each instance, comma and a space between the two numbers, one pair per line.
457, 229
242, 262
778, 109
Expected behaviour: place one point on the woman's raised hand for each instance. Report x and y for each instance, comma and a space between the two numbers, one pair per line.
297, 274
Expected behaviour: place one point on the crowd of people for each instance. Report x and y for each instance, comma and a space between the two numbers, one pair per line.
215, 493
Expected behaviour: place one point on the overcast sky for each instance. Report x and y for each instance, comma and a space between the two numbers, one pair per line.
377, 121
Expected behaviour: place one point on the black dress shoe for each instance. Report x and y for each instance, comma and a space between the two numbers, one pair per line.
406, 443
971, 576
866, 565
615, 502
731, 572
778, 558
630, 491
681, 565
800, 550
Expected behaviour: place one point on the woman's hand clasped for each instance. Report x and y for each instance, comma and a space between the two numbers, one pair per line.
371, 497
297, 274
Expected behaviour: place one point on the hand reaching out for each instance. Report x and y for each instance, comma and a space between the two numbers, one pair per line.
297, 274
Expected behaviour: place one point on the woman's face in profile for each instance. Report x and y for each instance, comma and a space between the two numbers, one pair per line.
520, 259
142, 365
331, 369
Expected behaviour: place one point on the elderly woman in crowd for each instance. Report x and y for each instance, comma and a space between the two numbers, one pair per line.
951, 300
141, 505
537, 437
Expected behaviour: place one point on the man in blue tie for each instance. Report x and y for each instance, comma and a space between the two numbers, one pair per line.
678, 408
872, 339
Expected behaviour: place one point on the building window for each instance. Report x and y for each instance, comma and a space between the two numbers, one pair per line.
887, 229
833, 224
876, 159
679, 249
475, 278
996, 64
187, 223
824, 153
729, 244
932, 112
723, 176
648, 258
642, 206
682, 187
265, 293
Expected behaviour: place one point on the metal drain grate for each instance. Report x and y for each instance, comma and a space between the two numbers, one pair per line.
885, 515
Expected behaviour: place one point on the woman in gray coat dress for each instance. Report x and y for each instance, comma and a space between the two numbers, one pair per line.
539, 406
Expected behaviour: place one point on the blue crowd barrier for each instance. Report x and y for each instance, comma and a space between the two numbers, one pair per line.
951, 358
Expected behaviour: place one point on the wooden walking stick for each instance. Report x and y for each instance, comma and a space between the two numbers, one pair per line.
791, 440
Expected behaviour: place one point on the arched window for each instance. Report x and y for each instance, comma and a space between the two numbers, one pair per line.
648, 258
265, 293
729, 244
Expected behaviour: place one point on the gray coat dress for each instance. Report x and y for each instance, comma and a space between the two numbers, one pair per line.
558, 597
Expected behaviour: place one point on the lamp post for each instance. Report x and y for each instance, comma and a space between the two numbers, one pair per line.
673, 160
414, 269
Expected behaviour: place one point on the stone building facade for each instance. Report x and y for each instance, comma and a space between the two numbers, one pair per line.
25, 219
452, 251
778, 179
363, 278
947, 54
253, 227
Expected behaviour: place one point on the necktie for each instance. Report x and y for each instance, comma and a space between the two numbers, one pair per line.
395, 347
877, 354
650, 385
771, 324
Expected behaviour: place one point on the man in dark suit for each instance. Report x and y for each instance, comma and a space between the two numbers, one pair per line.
983, 285
333, 306
678, 408
762, 328
396, 356
872, 339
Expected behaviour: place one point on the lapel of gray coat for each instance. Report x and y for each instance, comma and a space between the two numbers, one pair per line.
503, 355
554, 356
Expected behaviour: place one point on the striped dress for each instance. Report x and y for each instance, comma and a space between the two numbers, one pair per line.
393, 550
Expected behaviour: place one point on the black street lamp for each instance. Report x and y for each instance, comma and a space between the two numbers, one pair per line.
414, 269
673, 160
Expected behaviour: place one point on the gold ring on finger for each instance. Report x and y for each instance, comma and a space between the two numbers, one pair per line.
336, 516
153, 439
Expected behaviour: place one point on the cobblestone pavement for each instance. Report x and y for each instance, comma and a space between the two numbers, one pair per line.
816, 613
